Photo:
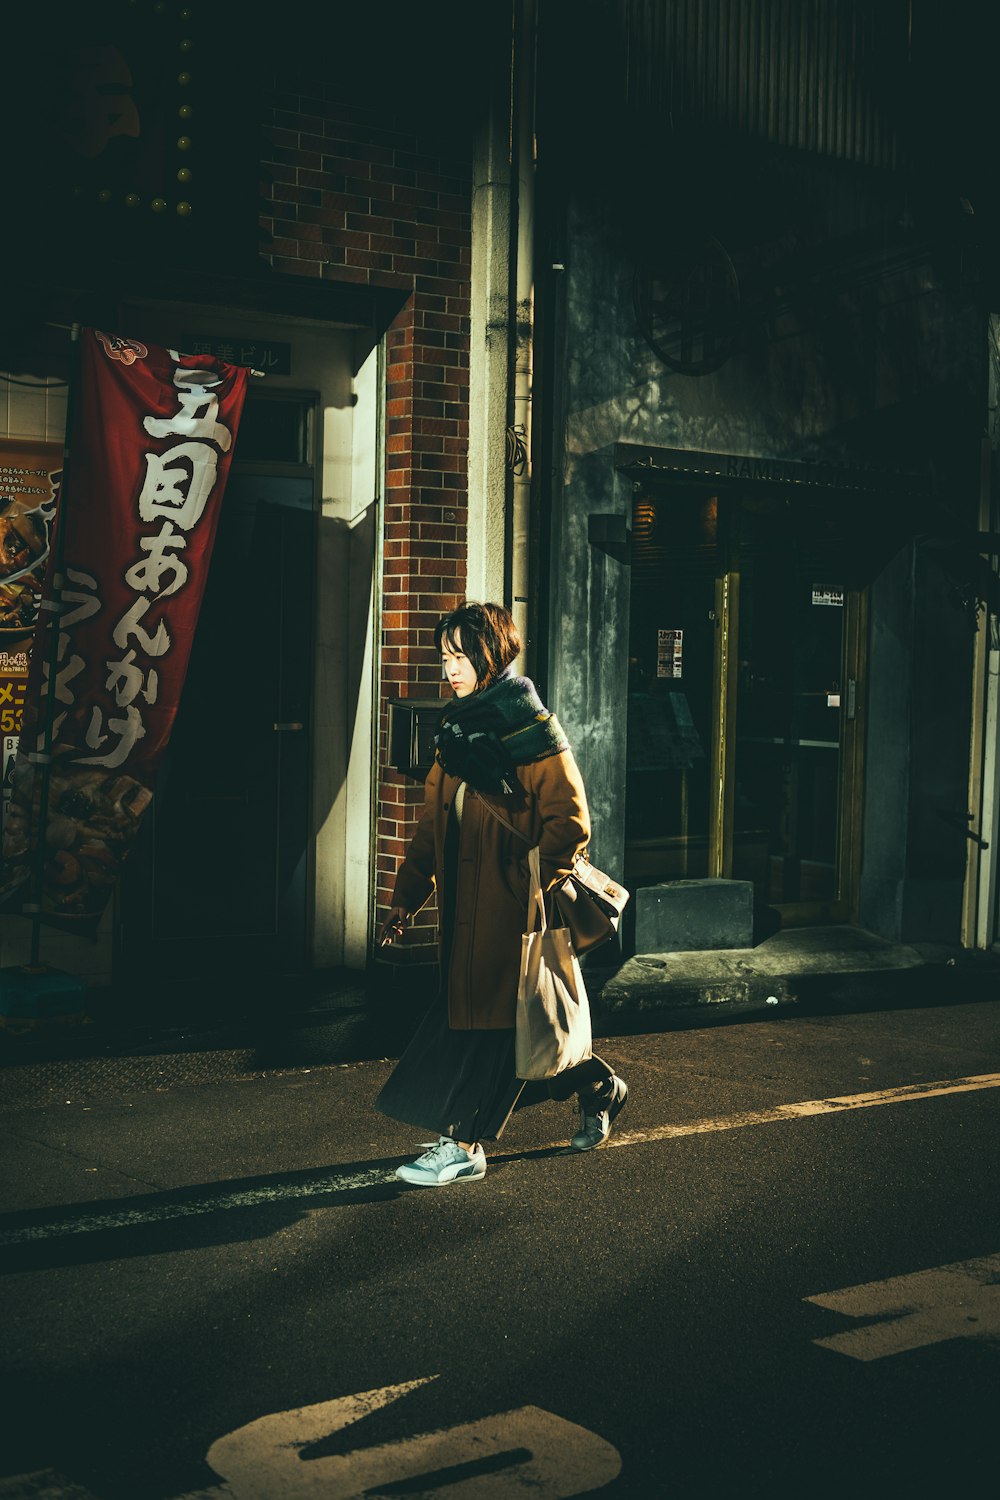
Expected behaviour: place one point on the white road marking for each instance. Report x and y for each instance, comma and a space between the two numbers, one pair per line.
44, 1484
330, 1185
526, 1451
160, 1213
960, 1301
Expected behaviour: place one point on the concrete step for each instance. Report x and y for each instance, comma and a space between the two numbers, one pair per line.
792, 968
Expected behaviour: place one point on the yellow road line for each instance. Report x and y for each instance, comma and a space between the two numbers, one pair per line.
328, 1185
807, 1108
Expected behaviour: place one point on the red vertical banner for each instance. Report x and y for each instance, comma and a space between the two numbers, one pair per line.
151, 446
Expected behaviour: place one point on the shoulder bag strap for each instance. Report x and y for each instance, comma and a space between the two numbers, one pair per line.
583, 857
499, 816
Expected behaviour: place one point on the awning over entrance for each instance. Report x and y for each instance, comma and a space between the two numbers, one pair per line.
861, 514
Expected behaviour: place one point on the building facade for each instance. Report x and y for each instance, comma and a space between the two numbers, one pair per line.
769, 615
224, 197
668, 324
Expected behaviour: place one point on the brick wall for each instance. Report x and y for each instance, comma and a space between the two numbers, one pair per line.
350, 194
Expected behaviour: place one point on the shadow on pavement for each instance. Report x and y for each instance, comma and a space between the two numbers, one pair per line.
217, 1213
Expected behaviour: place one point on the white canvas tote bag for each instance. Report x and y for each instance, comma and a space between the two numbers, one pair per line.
552, 1029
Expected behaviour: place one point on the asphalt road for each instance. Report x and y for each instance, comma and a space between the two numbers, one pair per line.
221, 1290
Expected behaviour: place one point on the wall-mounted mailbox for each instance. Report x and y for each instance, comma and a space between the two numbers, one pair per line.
413, 723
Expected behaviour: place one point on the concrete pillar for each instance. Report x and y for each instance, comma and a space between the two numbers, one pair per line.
489, 354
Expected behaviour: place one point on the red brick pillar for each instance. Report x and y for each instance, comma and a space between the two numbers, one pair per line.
427, 433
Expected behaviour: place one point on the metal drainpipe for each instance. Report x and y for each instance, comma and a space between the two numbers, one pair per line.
980, 896
979, 889
519, 437
989, 822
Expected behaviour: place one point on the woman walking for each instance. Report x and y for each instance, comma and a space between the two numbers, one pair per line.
502, 764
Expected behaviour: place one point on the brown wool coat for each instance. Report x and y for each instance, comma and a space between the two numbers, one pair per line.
491, 896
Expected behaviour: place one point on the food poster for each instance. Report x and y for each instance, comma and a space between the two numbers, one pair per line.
153, 435
30, 472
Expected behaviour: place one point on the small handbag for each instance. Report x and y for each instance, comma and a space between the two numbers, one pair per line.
591, 905
552, 1029
589, 902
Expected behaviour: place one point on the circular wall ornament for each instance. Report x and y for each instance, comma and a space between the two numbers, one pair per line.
688, 308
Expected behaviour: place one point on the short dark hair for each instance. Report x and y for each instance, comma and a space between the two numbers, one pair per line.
489, 637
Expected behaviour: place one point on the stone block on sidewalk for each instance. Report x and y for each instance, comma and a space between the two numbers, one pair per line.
693, 914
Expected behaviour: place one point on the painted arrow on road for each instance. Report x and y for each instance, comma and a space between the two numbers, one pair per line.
526, 1451
960, 1301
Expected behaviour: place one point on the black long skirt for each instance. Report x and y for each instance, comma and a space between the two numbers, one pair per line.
455, 1083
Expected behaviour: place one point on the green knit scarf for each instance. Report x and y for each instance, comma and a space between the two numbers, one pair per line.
482, 738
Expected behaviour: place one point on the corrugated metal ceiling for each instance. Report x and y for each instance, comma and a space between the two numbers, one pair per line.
812, 75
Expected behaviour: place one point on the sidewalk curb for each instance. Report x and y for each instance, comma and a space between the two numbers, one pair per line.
652, 982
355, 1025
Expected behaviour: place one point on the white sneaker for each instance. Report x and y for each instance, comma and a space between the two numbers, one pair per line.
446, 1162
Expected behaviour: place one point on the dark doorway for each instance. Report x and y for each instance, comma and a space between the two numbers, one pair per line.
800, 659
216, 890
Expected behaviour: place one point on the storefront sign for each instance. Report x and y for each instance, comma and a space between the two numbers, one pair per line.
266, 355
670, 653
833, 598
152, 444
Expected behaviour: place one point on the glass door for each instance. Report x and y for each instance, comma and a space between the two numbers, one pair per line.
671, 697
745, 700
